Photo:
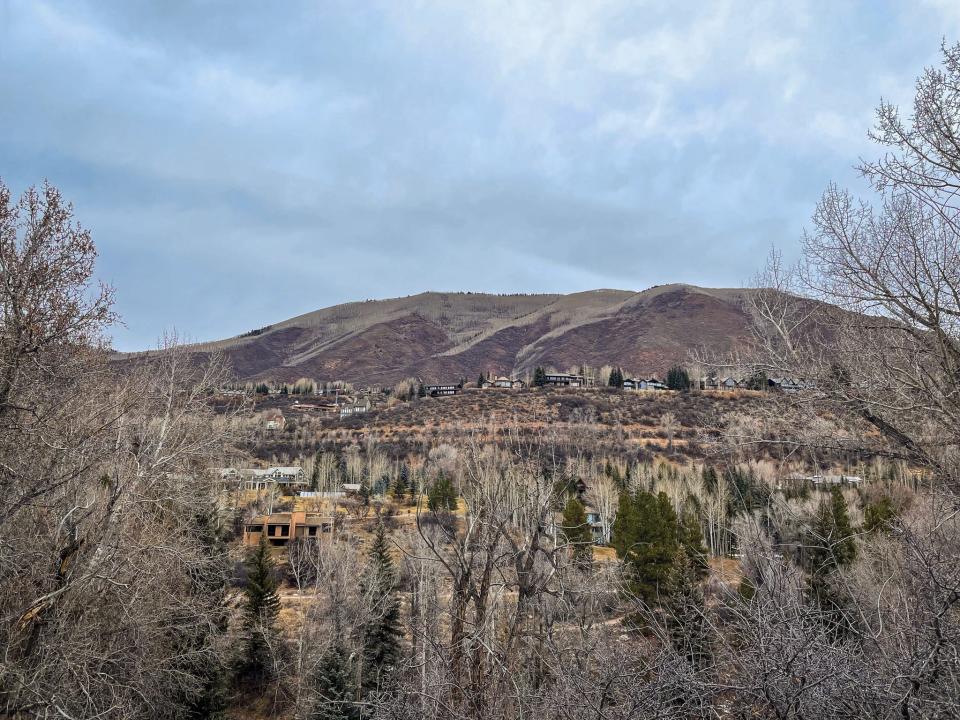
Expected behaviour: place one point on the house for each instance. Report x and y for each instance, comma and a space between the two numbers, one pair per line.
361, 407
597, 530
292, 475
275, 421
643, 384
728, 383
281, 528
831, 480
565, 380
259, 479
787, 385
504, 382
438, 390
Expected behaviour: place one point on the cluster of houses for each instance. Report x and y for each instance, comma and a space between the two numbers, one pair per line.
826, 480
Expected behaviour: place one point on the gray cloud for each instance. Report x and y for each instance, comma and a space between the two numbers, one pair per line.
241, 166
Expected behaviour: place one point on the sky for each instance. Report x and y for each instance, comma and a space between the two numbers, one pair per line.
241, 163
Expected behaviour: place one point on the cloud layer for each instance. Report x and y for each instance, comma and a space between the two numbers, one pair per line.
240, 165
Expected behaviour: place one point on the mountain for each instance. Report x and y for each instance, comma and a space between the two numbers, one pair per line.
445, 336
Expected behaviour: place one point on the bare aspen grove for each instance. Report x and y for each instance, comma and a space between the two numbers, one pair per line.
557, 553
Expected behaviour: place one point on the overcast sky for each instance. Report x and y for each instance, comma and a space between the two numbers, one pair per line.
241, 163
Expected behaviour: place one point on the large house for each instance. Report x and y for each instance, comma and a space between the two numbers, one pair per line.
260, 479
566, 380
281, 528
438, 390
504, 382
275, 421
360, 407
643, 384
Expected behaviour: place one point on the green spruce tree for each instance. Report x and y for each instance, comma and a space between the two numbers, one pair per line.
261, 610
645, 536
576, 531
539, 377
382, 632
443, 495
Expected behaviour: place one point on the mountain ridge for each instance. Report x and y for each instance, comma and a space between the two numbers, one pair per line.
448, 335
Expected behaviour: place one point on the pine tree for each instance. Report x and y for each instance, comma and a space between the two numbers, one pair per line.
576, 531
686, 614
315, 472
262, 608
400, 485
691, 538
421, 391
333, 683
480, 380
678, 378
829, 546
645, 536
382, 631
539, 377
443, 496
616, 378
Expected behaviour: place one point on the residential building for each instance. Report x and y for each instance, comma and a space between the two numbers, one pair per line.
504, 382
361, 407
566, 380
275, 421
439, 390
281, 528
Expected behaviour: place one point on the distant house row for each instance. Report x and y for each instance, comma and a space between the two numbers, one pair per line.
643, 384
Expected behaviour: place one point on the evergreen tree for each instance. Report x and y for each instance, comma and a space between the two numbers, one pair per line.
400, 484
879, 515
710, 479
576, 531
645, 536
686, 614
691, 538
539, 377
364, 491
262, 608
333, 683
616, 378
382, 631
443, 495
481, 380
830, 543
421, 391
209, 584
829, 546
315, 472
678, 378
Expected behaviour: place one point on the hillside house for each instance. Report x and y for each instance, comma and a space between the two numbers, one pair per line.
259, 479
281, 528
275, 421
831, 480
728, 383
566, 380
505, 382
787, 385
441, 390
361, 407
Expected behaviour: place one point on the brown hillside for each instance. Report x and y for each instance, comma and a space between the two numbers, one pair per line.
446, 336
